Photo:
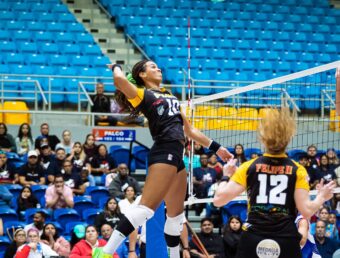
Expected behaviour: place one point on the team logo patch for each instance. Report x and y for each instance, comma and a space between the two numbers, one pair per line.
160, 110
170, 157
268, 248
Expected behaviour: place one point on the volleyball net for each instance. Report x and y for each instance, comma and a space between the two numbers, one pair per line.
232, 117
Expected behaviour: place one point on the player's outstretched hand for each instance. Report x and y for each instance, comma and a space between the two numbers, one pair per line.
326, 190
230, 168
224, 154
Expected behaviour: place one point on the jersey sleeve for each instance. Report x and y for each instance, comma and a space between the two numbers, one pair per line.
240, 175
138, 99
302, 178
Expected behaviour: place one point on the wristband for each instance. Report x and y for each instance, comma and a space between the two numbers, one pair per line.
132, 251
214, 146
186, 248
116, 65
225, 179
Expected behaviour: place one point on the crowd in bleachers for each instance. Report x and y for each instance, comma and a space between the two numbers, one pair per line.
54, 189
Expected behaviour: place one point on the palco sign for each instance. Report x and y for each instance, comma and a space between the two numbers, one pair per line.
114, 135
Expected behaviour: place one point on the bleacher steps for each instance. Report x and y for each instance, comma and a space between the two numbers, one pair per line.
112, 42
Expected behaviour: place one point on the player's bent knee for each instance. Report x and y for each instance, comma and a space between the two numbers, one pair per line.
174, 225
139, 215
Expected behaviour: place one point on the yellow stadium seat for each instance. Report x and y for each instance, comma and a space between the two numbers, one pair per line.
247, 112
207, 111
16, 118
217, 124
199, 123
334, 126
226, 112
241, 125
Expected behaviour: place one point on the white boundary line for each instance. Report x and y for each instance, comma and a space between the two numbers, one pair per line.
259, 85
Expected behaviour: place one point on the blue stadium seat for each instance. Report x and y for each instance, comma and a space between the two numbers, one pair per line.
249, 151
140, 156
82, 204
15, 189
11, 226
102, 202
238, 208
7, 46
65, 37
65, 215
121, 155
4, 243
295, 154
28, 47
75, 27
90, 214
71, 49
96, 193
8, 214
39, 190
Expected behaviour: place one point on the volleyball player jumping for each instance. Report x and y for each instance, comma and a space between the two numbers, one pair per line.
166, 178
276, 186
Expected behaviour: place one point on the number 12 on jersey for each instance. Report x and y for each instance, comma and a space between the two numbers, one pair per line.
277, 184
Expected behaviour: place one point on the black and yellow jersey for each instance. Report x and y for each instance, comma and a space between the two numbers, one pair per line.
270, 182
163, 113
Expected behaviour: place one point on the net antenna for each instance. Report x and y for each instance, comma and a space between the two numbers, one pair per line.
232, 116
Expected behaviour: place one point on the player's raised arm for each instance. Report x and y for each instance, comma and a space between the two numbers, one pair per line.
121, 82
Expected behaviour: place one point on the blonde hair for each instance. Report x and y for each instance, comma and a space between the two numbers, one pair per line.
276, 129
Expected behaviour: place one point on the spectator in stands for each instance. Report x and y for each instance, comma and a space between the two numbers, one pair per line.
86, 178
325, 170
51, 237
72, 179
38, 222
314, 179
122, 181
26, 200
130, 199
106, 231
325, 245
66, 142
313, 162
56, 166
7, 171
90, 148
215, 164
198, 149
24, 140
212, 242
78, 233
31, 173
7, 142
111, 214
59, 195
102, 163
231, 236
84, 247
203, 178
46, 157
239, 154
332, 220
34, 247
78, 157
125, 119
19, 238
52, 139
331, 230
101, 104
332, 158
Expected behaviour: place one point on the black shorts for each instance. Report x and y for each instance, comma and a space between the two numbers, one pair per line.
169, 153
289, 246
